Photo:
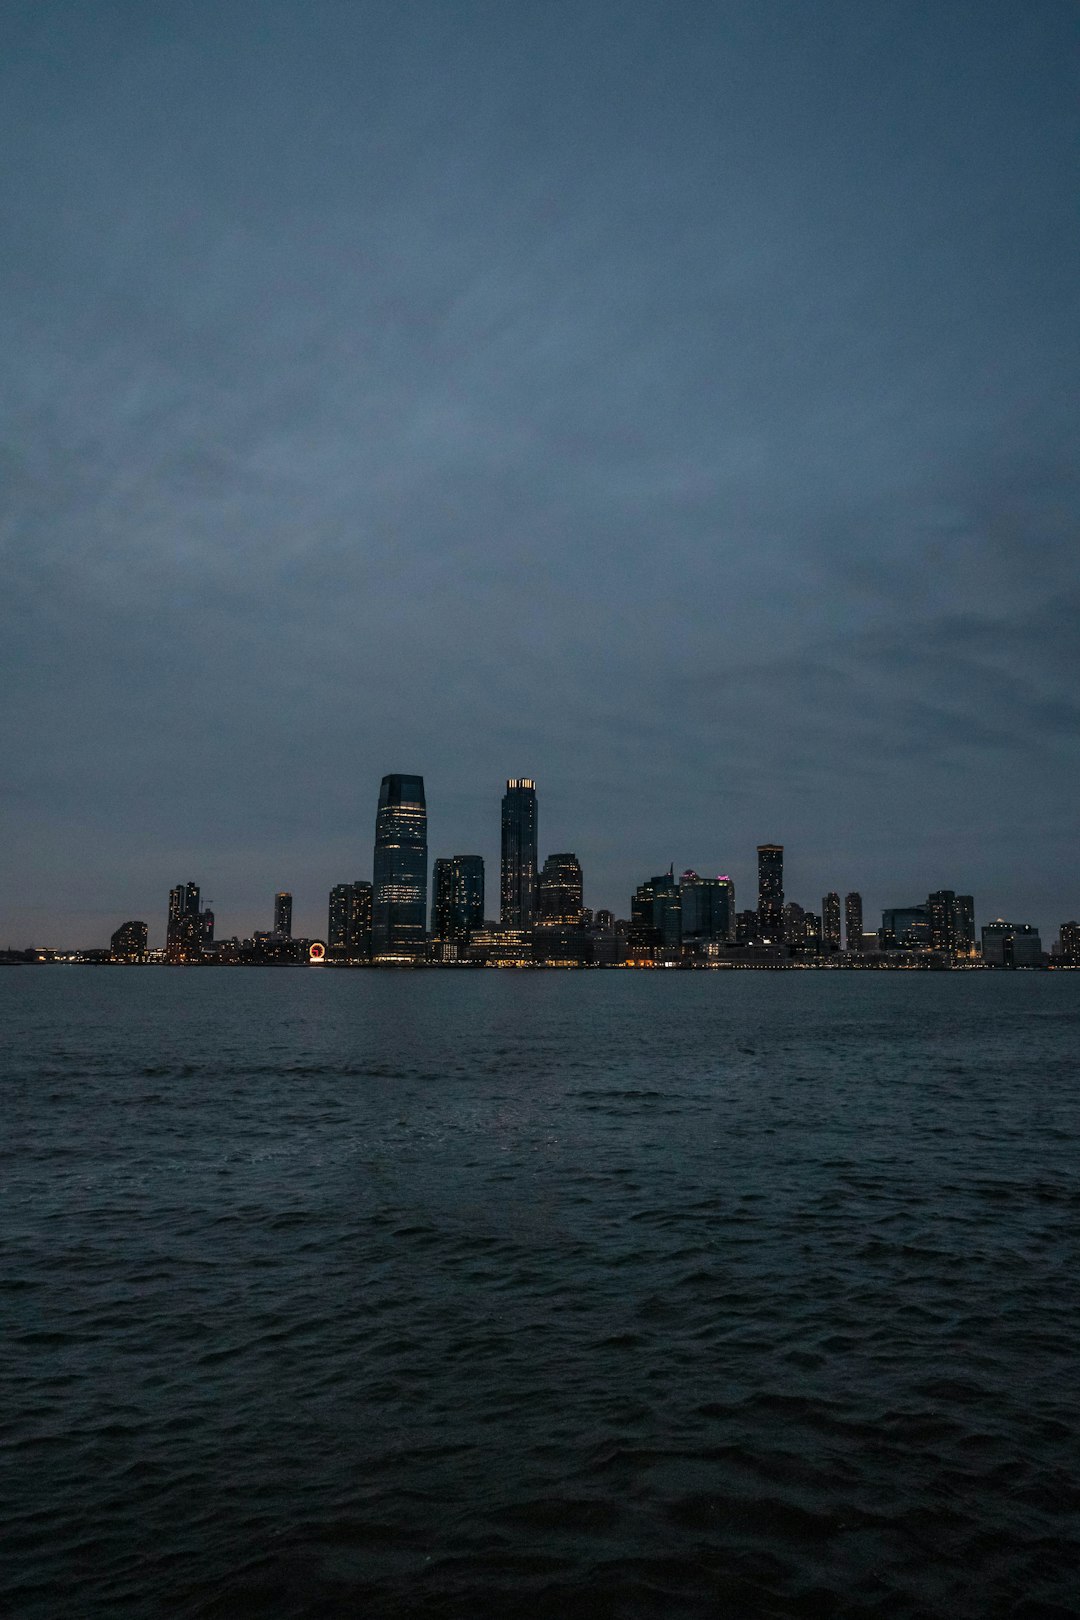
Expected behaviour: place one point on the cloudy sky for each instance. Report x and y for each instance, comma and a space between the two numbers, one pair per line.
673, 401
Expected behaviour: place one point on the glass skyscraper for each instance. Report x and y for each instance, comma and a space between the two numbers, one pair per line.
561, 890
518, 875
400, 886
283, 914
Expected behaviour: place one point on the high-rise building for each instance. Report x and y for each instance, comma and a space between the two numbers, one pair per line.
207, 917
745, 926
191, 899
941, 909
794, 923
656, 914
770, 908
283, 914
518, 873
1011, 945
128, 944
348, 934
905, 928
457, 898
561, 890
400, 887
1069, 937
853, 930
184, 927
830, 921
964, 925
708, 909
604, 922
176, 906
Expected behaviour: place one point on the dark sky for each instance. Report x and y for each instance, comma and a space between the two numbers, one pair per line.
676, 402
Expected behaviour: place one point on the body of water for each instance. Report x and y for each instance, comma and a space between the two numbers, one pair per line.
585, 1294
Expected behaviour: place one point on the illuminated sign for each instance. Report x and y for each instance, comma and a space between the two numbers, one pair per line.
316, 951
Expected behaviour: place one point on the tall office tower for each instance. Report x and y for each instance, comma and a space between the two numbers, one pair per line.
708, 909
830, 921
770, 878
183, 903
283, 914
207, 926
853, 921
561, 890
191, 899
656, 913
400, 887
1069, 937
941, 906
518, 874
457, 898
964, 925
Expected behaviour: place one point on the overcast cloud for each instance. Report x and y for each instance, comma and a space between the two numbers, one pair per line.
675, 402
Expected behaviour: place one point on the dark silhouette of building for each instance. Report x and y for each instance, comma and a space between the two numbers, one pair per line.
604, 922
207, 926
1069, 940
746, 923
561, 890
191, 899
283, 914
457, 898
518, 871
905, 928
128, 944
400, 887
770, 908
830, 921
348, 935
656, 914
708, 909
853, 923
1011, 945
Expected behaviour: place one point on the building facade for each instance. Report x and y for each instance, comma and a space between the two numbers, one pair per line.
708, 909
561, 891
457, 898
853, 925
283, 914
770, 907
518, 875
348, 935
830, 921
128, 944
399, 899
1011, 945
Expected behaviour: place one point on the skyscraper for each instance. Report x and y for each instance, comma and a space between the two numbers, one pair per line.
457, 898
400, 887
830, 921
708, 909
518, 874
283, 914
348, 936
561, 890
941, 906
770, 906
853, 921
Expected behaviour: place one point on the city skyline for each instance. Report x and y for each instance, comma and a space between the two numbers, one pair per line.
674, 403
406, 874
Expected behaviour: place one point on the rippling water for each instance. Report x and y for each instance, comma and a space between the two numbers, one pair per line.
541, 1295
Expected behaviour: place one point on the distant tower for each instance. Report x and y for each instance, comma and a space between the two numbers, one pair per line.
830, 921
518, 875
770, 907
400, 888
348, 935
191, 900
283, 914
561, 890
853, 921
